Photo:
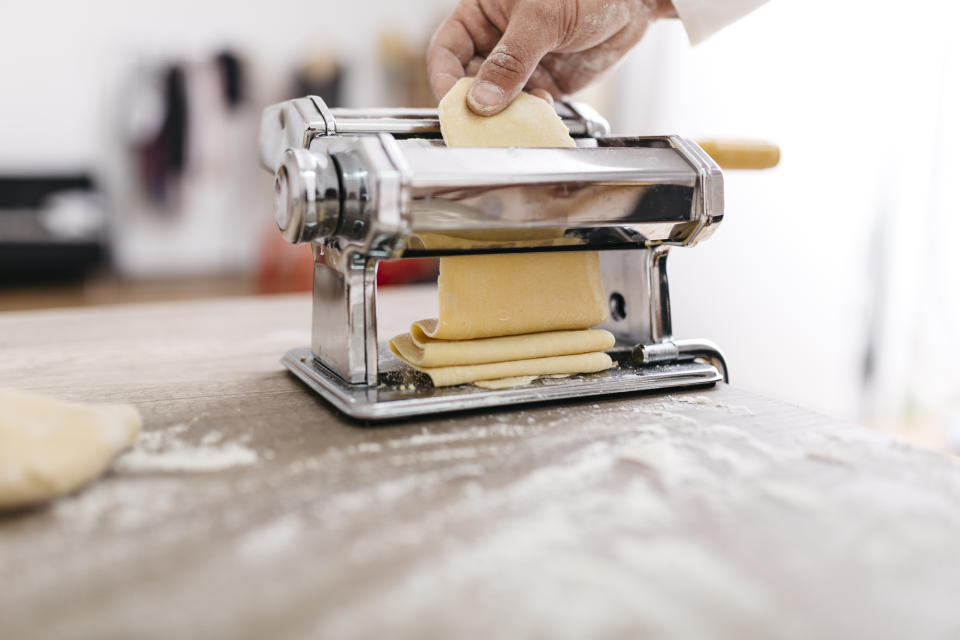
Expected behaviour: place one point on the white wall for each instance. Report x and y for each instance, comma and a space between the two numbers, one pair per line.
814, 253
61, 61
65, 76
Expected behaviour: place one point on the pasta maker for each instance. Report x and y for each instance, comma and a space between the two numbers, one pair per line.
365, 185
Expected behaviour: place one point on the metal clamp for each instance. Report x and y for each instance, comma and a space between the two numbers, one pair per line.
673, 351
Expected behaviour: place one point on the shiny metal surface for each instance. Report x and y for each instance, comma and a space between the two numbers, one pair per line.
297, 123
306, 197
371, 184
626, 278
670, 351
344, 317
637, 192
705, 350
608, 193
710, 203
580, 119
661, 320
291, 125
402, 392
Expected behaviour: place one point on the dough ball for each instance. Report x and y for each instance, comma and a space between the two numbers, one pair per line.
49, 447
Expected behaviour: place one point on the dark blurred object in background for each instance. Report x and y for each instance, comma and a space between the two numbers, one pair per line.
163, 156
320, 74
52, 228
185, 184
284, 267
234, 80
407, 271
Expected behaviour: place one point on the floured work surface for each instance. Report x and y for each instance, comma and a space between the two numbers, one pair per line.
249, 509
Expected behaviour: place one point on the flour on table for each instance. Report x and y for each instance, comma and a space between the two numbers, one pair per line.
706, 401
791, 495
164, 451
829, 455
271, 539
658, 455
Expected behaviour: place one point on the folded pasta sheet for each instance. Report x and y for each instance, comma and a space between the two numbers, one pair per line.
512, 316
515, 293
422, 351
535, 367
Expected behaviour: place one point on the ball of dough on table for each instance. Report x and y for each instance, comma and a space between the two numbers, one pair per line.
49, 447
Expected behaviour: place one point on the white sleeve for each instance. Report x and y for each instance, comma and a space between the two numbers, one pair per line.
703, 18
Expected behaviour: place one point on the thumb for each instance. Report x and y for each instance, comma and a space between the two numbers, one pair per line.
529, 36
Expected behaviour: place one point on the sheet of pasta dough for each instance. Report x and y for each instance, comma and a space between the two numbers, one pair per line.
490, 296
508, 294
512, 293
49, 447
418, 349
537, 367
527, 122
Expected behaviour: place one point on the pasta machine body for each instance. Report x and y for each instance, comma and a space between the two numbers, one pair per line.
367, 185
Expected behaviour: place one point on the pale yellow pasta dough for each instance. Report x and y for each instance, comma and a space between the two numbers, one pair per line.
518, 381
509, 317
527, 122
513, 293
49, 447
509, 240
579, 363
506, 383
418, 349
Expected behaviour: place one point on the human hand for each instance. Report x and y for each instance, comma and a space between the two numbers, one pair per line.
551, 48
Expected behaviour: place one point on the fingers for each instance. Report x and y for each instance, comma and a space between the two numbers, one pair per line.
455, 43
474, 65
572, 71
542, 79
531, 33
449, 48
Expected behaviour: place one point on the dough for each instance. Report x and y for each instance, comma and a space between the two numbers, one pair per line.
519, 381
510, 317
509, 240
461, 374
49, 447
527, 122
513, 293
505, 383
418, 349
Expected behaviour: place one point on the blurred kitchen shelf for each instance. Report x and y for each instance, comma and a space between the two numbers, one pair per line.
107, 289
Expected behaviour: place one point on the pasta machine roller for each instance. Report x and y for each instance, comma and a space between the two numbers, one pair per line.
365, 185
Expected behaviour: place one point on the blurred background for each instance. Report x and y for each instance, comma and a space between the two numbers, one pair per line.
128, 172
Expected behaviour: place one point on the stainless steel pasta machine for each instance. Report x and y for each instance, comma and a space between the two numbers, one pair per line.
364, 185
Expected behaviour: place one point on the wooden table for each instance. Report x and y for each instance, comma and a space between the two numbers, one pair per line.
250, 509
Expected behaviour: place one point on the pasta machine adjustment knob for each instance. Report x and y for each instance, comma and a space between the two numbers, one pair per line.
306, 196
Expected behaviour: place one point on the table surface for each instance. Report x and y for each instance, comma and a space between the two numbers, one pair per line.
250, 509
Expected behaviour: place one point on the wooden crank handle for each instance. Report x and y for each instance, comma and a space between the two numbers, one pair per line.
742, 154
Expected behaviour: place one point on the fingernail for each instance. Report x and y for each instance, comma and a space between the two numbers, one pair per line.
485, 96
